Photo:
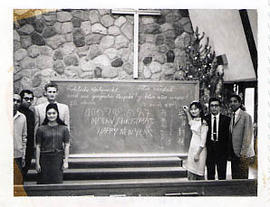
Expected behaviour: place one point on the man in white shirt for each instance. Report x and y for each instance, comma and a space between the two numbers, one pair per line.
217, 141
51, 92
19, 139
241, 147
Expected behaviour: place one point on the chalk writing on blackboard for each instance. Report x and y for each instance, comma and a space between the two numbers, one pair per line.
127, 117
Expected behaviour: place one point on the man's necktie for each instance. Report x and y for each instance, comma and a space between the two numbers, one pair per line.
215, 129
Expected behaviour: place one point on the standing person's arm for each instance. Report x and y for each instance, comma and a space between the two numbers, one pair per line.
67, 118
66, 152
247, 136
186, 110
36, 114
38, 143
226, 131
204, 130
66, 147
38, 168
31, 129
24, 141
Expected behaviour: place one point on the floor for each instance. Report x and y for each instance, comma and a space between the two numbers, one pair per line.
251, 175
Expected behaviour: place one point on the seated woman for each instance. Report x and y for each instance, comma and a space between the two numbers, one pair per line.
52, 146
195, 163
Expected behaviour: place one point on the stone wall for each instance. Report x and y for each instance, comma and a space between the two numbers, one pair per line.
94, 44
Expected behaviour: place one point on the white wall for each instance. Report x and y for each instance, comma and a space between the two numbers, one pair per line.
225, 31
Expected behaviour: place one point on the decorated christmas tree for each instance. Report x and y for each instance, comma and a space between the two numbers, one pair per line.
202, 65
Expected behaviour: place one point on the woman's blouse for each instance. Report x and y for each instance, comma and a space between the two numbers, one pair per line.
51, 138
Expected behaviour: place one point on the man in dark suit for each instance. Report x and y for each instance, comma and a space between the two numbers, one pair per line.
217, 141
27, 97
241, 139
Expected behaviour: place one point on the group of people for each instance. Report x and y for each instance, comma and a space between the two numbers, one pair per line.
217, 138
43, 132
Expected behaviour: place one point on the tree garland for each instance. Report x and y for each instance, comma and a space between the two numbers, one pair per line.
201, 64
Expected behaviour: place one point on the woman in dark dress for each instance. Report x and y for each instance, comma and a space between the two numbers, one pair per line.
52, 146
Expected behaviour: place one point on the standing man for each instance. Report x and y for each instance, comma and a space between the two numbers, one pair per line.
27, 97
217, 141
240, 145
51, 92
19, 140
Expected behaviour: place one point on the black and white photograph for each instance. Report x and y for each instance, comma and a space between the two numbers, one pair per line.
135, 102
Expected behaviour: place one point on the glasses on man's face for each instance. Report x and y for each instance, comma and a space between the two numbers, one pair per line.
16, 100
28, 99
214, 105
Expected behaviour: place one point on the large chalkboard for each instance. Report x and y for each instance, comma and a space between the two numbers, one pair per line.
128, 117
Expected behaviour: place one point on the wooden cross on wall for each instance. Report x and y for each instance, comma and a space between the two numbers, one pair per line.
136, 13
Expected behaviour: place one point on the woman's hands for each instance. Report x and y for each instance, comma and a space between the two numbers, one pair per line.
38, 168
183, 111
185, 108
65, 164
196, 157
65, 161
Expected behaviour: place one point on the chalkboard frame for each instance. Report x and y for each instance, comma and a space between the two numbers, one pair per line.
100, 155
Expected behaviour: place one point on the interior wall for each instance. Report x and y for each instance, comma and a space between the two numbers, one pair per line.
96, 44
252, 15
225, 31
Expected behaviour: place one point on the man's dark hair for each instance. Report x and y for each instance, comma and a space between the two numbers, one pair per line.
214, 99
24, 92
237, 97
51, 84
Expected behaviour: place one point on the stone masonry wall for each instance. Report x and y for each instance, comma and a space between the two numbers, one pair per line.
94, 44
